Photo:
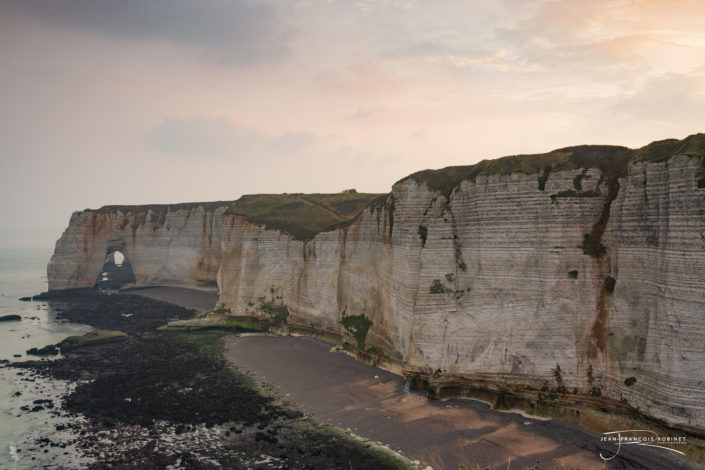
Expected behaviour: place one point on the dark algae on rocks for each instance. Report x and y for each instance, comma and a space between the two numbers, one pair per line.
158, 400
10, 318
129, 313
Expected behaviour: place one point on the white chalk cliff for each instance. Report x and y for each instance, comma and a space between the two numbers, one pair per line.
166, 245
493, 282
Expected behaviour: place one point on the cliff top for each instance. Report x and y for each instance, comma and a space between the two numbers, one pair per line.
159, 208
609, 158
661, 150
305, 215
302, 215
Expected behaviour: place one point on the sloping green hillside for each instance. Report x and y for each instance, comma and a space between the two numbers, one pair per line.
302, 215
661, 150
305, 215
610, 159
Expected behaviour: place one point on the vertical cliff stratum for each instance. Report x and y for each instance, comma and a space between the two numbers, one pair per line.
582, 268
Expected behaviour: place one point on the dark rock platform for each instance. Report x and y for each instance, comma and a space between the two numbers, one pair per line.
10, 318
161, 399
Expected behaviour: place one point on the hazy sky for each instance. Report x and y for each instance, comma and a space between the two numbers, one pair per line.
158, 101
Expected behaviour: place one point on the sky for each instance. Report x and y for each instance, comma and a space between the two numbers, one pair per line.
165, 101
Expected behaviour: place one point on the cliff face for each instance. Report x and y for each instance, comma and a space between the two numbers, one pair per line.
656, 323
165, 245
487, 293
570, 278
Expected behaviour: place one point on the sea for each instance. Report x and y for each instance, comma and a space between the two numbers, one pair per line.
23, 261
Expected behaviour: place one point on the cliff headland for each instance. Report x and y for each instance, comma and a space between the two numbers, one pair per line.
578, 273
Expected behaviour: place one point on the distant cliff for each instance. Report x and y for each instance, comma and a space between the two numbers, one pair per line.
165, 245
582, 268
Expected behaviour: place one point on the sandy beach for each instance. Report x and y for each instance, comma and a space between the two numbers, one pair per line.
371, 402
195, 299
450, 434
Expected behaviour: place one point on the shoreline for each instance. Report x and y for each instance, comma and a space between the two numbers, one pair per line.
586, 447
335, 387
444, 434
158, 400
199, 299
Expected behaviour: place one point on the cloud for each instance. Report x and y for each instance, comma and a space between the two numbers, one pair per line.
449, 53
628, 37
675, 99
366, 5
313, 3
204, 136
418, 135
361, 113
367, 77
233, 32
220, 137
291, 142
595, 40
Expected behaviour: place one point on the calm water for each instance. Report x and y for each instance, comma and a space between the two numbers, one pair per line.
23, 260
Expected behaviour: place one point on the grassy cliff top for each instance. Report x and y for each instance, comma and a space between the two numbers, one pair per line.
305, 215
661, 150
609, 158
160, 208
302, 215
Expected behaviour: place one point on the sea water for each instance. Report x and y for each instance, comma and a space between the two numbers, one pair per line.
23, 261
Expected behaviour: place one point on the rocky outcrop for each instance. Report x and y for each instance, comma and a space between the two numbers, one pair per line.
163, 245
577, 276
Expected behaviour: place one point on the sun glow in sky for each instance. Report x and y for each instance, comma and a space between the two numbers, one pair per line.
160, 101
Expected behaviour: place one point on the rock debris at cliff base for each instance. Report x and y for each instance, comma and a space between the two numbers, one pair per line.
156, 400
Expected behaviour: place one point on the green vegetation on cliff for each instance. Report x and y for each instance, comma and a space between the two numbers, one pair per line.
302, 215
358, 326
610, 159
277, 311
662, 150
154, 214
306, 215
604, 157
